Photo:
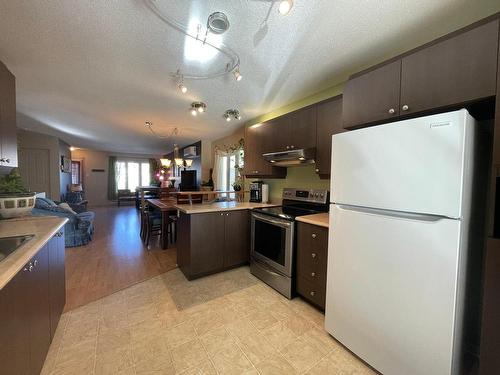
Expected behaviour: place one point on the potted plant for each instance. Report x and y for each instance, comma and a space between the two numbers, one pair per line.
237, 184
15, 201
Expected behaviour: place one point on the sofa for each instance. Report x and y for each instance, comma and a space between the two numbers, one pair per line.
80, 226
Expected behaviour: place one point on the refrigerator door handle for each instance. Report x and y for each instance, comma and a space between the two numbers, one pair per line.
396, 214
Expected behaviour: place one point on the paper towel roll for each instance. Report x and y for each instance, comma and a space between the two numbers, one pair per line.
265, 193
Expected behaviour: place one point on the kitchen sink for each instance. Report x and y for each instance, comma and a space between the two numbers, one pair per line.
10, 244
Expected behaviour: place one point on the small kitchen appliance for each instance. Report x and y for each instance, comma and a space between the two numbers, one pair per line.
272, 251
256, 191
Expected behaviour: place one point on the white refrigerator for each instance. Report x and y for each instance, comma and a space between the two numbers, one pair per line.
397, 252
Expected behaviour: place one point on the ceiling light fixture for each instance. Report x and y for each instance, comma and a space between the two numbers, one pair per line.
285, 7
197, 107
232, 114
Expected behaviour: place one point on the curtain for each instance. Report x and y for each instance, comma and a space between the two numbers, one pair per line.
153, 168
218, 169
112, 192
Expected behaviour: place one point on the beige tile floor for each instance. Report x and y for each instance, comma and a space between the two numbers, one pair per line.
237, 325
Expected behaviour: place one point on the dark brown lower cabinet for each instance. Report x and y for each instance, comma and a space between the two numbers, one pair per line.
14, 332
212, 242
312, 253
29, 306
57, 280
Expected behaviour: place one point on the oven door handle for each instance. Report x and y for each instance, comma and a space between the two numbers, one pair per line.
270, 220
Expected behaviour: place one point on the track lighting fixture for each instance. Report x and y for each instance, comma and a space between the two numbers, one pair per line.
232, 114
285, 7
237, 75
197, 107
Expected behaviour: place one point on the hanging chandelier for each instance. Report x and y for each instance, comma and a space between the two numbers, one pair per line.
165, 162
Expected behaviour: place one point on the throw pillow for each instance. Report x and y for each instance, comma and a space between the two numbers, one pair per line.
66, 207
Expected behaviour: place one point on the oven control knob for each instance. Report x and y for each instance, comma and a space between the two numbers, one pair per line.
322, 195
313, 255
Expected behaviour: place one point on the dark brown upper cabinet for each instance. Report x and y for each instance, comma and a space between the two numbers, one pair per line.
329, 114
257, 140
453, 71
302, 131
8, 129
372, 96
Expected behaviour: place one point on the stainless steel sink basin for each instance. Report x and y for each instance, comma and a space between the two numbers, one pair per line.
10, 244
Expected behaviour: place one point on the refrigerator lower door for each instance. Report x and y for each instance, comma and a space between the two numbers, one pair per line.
391, 290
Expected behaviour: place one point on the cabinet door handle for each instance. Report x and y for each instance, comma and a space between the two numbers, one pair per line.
391, 111
222, 214
35, 262
313, 274
312, 293
313, 255
405, 107
288, 147
313, 235
317, 170
227, 214
292, 146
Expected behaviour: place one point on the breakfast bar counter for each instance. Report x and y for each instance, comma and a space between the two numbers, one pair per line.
213, 237
200, 208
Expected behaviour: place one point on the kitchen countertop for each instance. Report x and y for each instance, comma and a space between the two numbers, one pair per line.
43, 227
200, 208
316, 219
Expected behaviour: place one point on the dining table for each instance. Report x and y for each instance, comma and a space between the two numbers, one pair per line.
167, 207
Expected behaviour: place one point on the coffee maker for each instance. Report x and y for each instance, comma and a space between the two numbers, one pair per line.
256, 191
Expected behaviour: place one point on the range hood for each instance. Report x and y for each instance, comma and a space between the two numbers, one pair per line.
291, 158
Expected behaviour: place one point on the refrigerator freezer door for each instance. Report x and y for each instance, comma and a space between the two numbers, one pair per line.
414, 165
391, 290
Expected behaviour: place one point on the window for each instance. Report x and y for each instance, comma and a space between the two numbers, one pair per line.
75, 172
131, 174
229, 170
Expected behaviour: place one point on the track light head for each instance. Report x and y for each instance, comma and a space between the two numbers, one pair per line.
285, 7
194, 112
183, 88
237, 75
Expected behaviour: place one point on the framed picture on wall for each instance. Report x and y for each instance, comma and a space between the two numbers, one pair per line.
65, 164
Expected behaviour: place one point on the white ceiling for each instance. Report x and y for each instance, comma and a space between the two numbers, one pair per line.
93, 72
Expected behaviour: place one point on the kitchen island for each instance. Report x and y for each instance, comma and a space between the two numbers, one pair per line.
32, 292
213, 237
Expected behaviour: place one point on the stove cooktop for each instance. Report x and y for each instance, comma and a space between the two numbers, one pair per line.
286, 212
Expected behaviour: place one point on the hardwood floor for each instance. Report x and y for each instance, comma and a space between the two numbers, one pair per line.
114, 260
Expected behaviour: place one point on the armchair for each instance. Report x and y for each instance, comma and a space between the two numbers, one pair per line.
76, 200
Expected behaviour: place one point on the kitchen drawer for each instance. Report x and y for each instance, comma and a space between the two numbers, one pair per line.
312, 251
313, 292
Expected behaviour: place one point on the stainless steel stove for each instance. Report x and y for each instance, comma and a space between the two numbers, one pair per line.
273, 236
